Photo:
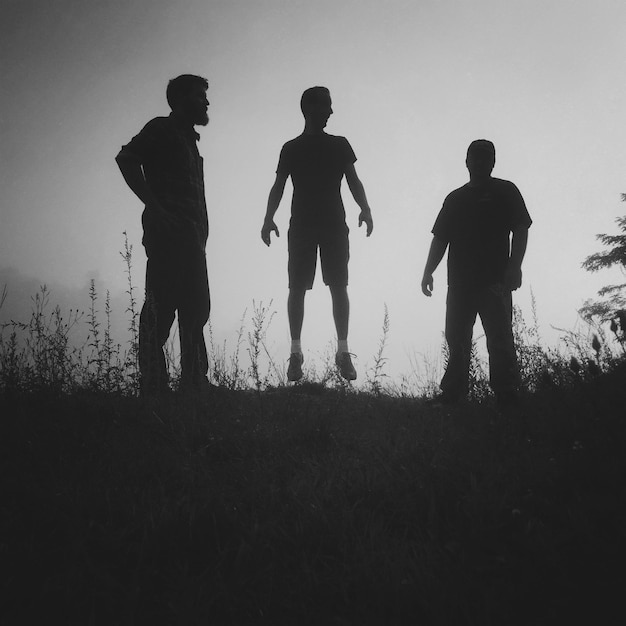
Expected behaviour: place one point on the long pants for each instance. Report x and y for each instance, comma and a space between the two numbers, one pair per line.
494, 305
176, 281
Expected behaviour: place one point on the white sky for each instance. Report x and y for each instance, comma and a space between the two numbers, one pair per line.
412, 84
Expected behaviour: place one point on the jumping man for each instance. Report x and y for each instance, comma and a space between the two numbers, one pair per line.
317, 163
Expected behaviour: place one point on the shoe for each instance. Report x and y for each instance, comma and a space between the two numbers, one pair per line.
344, 363
294, 370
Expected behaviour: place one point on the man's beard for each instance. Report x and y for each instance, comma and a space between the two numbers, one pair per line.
202, 119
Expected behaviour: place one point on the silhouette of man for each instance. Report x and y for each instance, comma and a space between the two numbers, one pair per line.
163, 167
317, 163
484, 266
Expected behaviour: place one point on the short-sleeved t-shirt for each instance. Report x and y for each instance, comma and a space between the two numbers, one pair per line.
173, 168
316, 164
476, 222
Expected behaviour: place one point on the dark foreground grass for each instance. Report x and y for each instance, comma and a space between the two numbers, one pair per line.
312, 506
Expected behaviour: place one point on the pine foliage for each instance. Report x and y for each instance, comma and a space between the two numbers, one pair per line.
612, 307
616, 255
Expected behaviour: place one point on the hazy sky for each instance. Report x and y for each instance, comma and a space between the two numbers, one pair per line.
412, 84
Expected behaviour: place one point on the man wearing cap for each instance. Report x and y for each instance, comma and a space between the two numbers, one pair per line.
484, 226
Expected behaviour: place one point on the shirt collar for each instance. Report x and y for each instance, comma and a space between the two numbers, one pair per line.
184, 127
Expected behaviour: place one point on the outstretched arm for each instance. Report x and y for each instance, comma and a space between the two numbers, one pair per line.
435, 254
358, 193
276, 194
519, 241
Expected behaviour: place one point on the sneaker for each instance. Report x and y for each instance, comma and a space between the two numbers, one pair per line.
294, 370
344, 363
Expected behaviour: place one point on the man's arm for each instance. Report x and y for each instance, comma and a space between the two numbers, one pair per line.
435, 254
131, 169
519, 241
358, 193
276, 194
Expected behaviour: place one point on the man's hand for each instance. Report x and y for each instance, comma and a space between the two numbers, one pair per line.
268, 227
366, 216
427, 285
513, 277
437, 249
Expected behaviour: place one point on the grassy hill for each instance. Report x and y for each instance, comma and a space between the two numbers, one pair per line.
309, 505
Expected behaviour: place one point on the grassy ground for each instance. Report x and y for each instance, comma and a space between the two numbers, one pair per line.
307, 505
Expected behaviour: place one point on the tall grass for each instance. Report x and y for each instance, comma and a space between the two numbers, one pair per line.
42, 353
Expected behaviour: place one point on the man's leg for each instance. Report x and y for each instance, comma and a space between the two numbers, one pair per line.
460, 318
193, 314
302, 246
495, 310
155, 321
334, 255
341, 310
295, 313
341, 315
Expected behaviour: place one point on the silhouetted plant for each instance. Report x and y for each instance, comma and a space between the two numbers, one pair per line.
132, 360
38, 354
226, 371
618, 328
612, 307
532, 358
423, 379
257, 348
478, 388
106, 369
375, 374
